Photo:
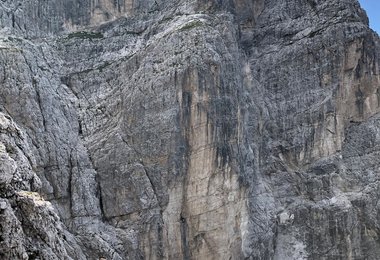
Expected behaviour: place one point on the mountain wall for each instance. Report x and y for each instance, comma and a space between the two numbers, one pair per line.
226, 129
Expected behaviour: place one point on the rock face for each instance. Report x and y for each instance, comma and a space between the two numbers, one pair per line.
189, 130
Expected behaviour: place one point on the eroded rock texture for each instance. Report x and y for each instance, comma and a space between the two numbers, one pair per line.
189, 130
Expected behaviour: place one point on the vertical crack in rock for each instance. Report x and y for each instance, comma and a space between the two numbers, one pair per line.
184, 238
99, 195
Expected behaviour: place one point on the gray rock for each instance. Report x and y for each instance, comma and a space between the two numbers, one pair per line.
188, 130
3, 205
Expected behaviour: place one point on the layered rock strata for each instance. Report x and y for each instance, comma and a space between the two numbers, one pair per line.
188, 130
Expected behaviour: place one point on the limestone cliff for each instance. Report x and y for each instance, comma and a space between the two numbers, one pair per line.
198, 129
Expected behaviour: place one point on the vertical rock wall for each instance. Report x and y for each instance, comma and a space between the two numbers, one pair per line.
188, 130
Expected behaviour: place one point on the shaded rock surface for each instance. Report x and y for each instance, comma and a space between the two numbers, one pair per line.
189, 130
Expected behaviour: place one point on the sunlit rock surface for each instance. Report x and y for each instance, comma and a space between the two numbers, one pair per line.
189, 130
